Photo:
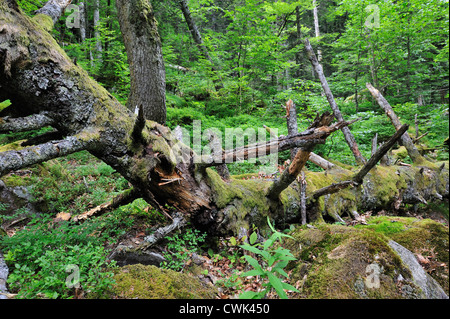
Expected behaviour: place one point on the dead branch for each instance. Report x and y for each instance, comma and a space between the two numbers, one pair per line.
417, 139
329, 95
120, 200
320, 161
289, 175
310, 137
303, 198
358, 178
292, 124
413, 152
15, 160
331, 189
179, 68
23, 124
178, 222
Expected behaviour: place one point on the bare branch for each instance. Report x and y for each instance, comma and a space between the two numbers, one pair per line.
358, 178
413, 152
22, 124
310, 137
120, 200
331, 189
289, 175
347, 134
15, 160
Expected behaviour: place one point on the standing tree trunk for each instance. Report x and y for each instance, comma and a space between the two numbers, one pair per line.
199, 41
98, 42
82, 22
143, 45
316, 28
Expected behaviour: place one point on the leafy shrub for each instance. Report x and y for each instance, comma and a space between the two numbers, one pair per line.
40, 254
181, 247
274, 259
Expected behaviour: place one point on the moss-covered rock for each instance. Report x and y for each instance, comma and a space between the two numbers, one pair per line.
341, 262
150, 282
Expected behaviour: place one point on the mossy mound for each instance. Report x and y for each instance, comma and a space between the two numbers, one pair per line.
426, 237
340, 262
150, 282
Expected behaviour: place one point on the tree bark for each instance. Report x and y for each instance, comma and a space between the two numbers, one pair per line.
292, 125
413, 152
316, 28
347, 133
143, 45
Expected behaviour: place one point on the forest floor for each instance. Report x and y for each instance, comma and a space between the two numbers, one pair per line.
79, 182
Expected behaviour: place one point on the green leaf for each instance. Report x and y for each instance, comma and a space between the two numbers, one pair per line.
277, 285
252, 249
253, 262
233, 241
4, 105
254, 272
253, 238
248, 295
268, 243
289, 287
280, 271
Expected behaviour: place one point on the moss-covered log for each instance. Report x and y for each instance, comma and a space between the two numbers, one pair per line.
37, 76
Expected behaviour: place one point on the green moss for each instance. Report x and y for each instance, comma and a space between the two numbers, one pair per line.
425, 237
223, 193
336, 259
44, 21
15, 146
245, 176
400, 153
15, 180
149, 282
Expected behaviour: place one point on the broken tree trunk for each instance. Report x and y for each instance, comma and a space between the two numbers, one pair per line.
329, 95
292, 125
39, 78
413, 152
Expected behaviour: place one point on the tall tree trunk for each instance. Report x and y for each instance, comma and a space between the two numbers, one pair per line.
317, 28
98, 43
199, 41
143, 45
82, 21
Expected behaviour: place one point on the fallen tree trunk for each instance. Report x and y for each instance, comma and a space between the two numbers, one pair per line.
39, 78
